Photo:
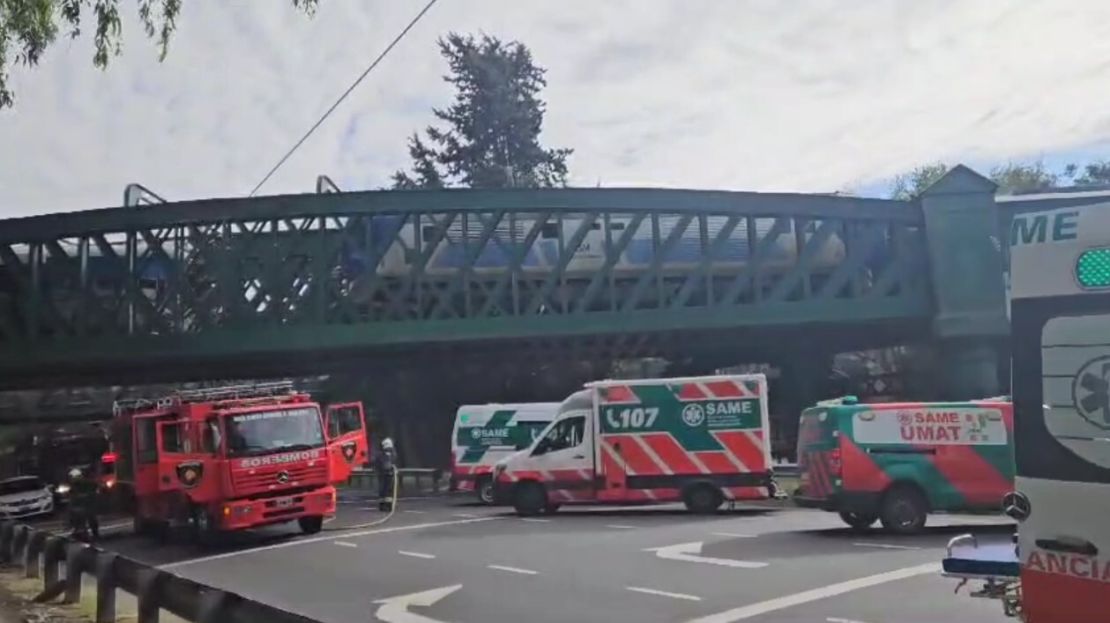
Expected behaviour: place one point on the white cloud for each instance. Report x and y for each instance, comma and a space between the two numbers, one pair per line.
807, 96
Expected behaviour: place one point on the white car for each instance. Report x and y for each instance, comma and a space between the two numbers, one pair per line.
25, 496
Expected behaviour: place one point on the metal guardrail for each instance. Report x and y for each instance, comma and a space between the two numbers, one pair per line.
409, 480
46, 555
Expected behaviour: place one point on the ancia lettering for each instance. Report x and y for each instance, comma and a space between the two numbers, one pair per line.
1073, 565
280, 459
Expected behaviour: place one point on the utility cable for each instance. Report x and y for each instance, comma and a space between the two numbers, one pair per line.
321, 120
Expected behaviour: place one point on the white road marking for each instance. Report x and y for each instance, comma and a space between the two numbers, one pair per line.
295, 543
513, 569
885, 546
617, 526
771, 605
396, 609
691, 552
652, 591
415, 512
345, 543
735, 535
840, 620
464, 515
416, 554
535, 520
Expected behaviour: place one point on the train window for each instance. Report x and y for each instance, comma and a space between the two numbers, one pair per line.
549, 230
616, 226
428, 232
595, 226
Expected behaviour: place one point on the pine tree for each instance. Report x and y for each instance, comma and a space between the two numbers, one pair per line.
493, 125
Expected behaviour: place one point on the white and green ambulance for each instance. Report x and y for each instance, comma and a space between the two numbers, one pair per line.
484, 434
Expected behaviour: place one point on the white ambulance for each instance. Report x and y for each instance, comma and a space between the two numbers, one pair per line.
700, 440
1060, 325
484, 434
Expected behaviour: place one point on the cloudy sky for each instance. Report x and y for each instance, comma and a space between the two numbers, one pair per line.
800, 95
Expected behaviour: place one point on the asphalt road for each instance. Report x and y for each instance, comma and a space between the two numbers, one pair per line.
444, 560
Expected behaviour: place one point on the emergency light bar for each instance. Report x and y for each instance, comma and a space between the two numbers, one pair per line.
1092, 269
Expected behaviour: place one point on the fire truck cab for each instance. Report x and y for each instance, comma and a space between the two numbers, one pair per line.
233, 458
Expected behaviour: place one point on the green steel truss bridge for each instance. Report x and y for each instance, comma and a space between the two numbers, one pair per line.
286, 284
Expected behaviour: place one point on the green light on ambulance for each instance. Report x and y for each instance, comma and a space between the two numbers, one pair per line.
1092, 269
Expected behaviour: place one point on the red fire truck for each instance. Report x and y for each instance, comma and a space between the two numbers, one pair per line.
234, 457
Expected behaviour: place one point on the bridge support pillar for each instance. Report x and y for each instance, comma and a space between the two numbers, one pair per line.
964, 246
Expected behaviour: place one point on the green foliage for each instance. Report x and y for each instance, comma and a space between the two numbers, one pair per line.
493, 126
29, 27
909, 185
1012, 177
1015, 177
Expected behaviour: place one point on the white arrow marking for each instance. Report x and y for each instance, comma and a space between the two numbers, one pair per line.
691, 552
396, 609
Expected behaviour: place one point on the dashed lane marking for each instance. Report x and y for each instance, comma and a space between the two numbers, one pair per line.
652, 591
415, 512
535, 520
345, 543
617, 526
416, 554
464, 515
308, 541
886, 546
513, 569
735, 535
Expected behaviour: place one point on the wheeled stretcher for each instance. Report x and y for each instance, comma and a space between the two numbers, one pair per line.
994, 563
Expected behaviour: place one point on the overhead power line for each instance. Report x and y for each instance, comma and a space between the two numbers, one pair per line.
339, 101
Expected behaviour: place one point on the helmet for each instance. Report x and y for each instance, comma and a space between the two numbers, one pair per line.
75, 473
387, 444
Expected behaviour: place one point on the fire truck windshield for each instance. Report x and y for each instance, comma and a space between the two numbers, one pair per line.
263, 432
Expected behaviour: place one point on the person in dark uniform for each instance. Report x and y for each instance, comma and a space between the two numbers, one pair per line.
385, 464
83, 500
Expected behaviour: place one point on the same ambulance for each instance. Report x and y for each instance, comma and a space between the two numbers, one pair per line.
485, 434
697, 440
1060, 332
896, 462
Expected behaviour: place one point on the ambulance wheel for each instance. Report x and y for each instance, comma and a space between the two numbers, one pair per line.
311, 525
529, 498
485, 491
903, 510
703, 499
858, 521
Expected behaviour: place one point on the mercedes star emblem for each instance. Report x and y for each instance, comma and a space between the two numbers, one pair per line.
283, 477
1016, 505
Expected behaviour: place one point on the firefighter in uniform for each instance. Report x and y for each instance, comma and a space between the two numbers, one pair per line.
385, 464
84, 493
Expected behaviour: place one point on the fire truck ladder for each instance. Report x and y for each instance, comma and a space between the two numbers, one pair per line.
248, 391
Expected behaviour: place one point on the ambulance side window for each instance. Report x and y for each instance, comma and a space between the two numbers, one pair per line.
566, 434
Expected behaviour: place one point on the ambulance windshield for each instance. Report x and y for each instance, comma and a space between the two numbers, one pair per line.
263, 432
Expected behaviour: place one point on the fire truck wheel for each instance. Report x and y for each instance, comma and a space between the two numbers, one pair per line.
903, 509
201, 526
858, 521
551, 509
311, 525
485, 491
529, 498
702, 499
